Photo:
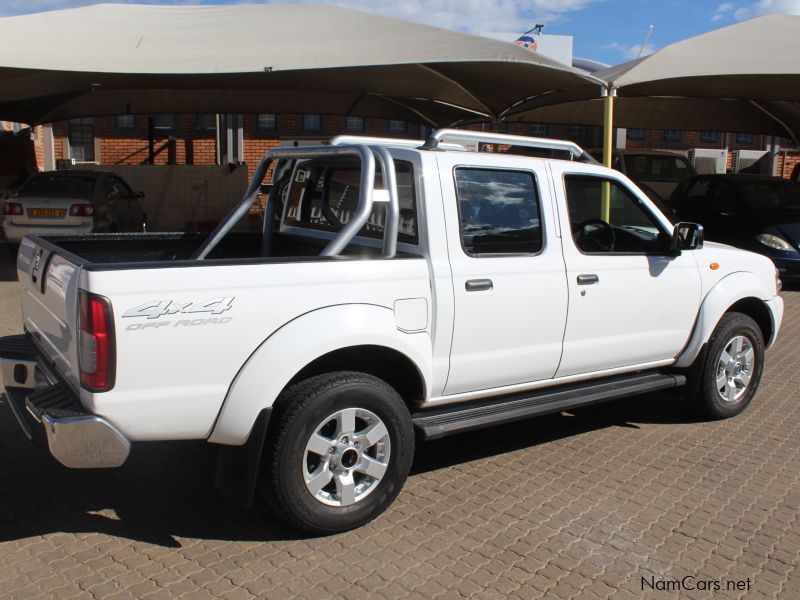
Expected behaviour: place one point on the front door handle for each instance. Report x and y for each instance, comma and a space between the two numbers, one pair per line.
588, 279
478, 285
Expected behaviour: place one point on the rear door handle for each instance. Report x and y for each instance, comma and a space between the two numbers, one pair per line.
588, 279
478, 285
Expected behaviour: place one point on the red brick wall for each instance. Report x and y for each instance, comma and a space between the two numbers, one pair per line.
198, 148
792, 160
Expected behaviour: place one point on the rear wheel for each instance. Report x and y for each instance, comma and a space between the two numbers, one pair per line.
732, 371
341, 452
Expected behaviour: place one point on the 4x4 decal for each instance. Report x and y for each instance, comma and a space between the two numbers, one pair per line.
163, 308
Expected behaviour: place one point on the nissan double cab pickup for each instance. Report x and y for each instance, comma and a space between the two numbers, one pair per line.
395, 292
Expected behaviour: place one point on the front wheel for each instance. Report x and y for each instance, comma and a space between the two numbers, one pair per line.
341, 452
734, 362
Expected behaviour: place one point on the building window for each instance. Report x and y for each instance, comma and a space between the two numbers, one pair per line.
165, 124
205, 123
312, 123
708, 137
744, 138
672, 135
396, 126
125, 122
636, 134
577, 131
537, 129
354, 124
266, 121
81, 139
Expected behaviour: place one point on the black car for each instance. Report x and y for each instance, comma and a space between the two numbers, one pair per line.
753, 212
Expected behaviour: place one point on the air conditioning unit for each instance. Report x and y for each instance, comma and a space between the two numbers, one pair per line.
64, 163
751, 161
709, 161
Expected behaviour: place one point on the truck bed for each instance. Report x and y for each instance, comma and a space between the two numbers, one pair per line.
102, 251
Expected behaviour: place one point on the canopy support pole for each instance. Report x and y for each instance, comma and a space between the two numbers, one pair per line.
608, 145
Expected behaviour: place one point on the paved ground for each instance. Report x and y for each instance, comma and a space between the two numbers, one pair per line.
594, 505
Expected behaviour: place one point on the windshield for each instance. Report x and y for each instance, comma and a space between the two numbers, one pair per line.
771, 196
72, 186
655, 167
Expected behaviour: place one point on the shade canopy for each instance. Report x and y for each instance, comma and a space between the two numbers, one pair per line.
127, 59
757, 59
741, 78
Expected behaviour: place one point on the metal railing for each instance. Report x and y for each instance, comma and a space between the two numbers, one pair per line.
390, 142
434, 142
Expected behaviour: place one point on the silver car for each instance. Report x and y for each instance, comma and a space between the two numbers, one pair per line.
70, 202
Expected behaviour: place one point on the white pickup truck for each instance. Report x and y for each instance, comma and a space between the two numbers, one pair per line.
395, 292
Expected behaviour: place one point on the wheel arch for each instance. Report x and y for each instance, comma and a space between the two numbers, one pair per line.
388, 364
738, 292
323, 339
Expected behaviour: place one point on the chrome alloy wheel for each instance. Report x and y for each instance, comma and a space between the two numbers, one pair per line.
346, 457
735, 368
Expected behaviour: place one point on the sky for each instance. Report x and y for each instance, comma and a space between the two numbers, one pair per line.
609, 31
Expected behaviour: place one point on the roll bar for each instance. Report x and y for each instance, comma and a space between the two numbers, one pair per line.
367, 155
462, 135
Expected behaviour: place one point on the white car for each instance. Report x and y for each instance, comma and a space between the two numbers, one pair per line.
396, 292
71, 202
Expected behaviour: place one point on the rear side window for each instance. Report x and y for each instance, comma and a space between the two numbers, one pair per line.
499, 212
325, 196
114, 187
73, 186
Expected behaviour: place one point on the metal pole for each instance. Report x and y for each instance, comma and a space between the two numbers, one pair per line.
608, 147
151, 151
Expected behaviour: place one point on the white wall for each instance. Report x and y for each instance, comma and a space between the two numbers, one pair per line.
178, 196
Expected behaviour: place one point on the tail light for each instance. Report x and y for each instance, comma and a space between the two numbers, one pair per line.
96, 352
81, 210
12, 209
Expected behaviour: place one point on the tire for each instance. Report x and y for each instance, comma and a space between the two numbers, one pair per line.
318, 459
728, 384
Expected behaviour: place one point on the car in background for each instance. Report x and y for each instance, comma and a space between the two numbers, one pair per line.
70, 202
656, 172
754, 212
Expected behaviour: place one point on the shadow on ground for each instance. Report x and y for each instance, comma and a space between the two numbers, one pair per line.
165, 490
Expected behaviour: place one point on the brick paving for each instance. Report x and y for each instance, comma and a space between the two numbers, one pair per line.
566, 506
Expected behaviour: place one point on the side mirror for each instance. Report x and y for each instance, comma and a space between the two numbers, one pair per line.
139, 194
686, 236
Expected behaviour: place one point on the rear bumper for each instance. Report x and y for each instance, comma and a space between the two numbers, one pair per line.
13, 233
49, 412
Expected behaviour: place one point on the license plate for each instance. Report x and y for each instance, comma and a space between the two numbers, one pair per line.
46, 213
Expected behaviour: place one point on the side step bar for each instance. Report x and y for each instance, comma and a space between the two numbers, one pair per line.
436, 423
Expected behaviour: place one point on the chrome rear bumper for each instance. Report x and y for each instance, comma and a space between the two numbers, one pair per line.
53, 414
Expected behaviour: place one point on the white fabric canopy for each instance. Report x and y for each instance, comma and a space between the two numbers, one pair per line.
745, 77
119, 59
757, 59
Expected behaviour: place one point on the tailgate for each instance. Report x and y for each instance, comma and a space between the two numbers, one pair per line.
49, 284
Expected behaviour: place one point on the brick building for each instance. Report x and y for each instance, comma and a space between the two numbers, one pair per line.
193, 139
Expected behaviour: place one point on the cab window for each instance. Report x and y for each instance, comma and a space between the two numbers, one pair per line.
324, 195
606, 217
499, 212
